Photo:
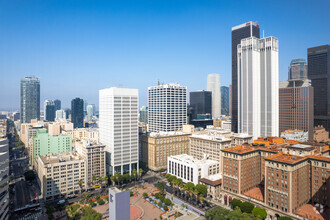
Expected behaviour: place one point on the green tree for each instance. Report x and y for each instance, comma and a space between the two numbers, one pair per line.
190, 186
94, 179
100, 179
89, 214
235, 203
126, 177
259, 212
165, 207
134, 174
167, 176
247, 207
218, 213
160, 204
236, 214
113, 179
201, 189
92, 204
140, 172
167, 202
145, 195
100, 201
106, 180
29, 175
80, 183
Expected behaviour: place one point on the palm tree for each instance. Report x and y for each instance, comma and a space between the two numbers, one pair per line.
185, 190
106, 180
112, 178
196, 195
100, 179
201, 198
134, 174
80, 183
94, 179
140, 172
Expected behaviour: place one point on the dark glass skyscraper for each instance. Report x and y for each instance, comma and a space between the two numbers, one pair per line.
319, 74
238, 33
224, 100
49, 110
57, 104
77, 112
30, 99
200, 103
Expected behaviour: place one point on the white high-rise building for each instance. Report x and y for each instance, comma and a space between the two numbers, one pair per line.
167, 107
60, 115
90, 112
118, 128
213, 85
258, 105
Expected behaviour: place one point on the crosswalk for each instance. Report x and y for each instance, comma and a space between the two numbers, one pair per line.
33, 216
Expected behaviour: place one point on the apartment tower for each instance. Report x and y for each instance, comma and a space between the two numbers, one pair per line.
118, 128
167, 107
77, 112
30, 99
248, 29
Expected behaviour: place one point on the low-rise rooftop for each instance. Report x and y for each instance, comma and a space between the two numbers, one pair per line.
60, 158
286, 158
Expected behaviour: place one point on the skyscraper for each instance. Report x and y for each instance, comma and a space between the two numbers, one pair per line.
257, 78
224, 100
144, 114
230, 99
167, 107
57, 104
30, 99
249, 29
201, 103
319, 74
118, 128
49, 110
60, 115
77, 112
90, 112
297, 69
213, 85
296, 107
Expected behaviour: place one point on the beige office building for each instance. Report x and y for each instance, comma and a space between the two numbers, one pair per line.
79, 134
94, 155
157, 146
58, 175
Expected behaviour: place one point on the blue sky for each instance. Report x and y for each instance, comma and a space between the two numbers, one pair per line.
79, 47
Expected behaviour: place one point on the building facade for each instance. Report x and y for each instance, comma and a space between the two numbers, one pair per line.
190, 169
239, 32
257, 75
213, 85
144, 114
296, 106
201, 103
94, 155
60, 115
298, 135
59, 175
119, 204
318, 73
43, 144
224, 100
57, 104
297, 70
4, 179
118, 128
156, 147
167, 107
90, 112
49, 110
77, 112
30, 99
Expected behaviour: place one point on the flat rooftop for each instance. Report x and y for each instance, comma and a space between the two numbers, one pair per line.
210, 137
166, 134
60, 158
286, 158
185, 158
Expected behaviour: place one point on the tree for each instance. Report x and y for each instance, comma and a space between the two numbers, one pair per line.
72, 211
94, 179
92, 204
89, 214
235, 203
160, 204
259, 212
100, 201
162, 198
218, 213
134, 174
167, 176
160, 186
113, 179
190, 186
126, 177
100, 179
165, 208
167, 202
145, 195
29, 175
179, 182
284, 218
131, 193
140, 172
106, 180
236, 214
80, 183
247, 207
201, 189
118, 178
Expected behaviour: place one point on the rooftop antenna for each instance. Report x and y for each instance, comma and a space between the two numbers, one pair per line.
158, 83
263, 33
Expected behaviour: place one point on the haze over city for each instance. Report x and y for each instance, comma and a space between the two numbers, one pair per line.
79, 47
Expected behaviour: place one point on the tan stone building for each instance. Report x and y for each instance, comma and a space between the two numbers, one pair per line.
79, 134
58, 175
94, 155
157, 146
320, 134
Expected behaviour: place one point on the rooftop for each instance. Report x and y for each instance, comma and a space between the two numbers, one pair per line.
60, 158
286, 158
210, 137
256, 193
310, 212
166, 134
302, 146
322, 158
185, 158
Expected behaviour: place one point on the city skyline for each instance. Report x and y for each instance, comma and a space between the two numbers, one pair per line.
104, 34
